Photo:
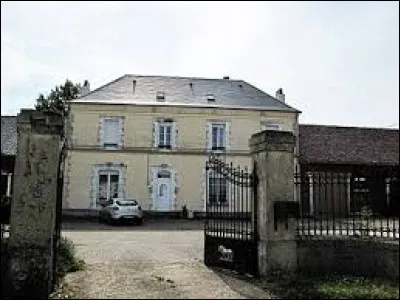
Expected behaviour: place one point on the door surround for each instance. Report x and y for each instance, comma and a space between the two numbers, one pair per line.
163, 170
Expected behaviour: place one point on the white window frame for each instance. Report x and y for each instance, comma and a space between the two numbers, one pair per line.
157, 127
225, 139
118, 139
271, 126
108, 173
112, 168
162, 127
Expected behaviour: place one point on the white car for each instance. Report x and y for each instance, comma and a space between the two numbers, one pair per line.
121, 209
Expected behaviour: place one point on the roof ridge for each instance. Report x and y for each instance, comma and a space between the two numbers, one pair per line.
185, 77
260, 90
101, 87
347, 127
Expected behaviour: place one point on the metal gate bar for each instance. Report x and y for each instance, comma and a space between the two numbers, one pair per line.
230, 229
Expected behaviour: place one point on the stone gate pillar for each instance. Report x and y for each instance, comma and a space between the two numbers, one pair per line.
273, 158
33, 209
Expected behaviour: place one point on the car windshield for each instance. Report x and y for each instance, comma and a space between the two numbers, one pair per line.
126, 202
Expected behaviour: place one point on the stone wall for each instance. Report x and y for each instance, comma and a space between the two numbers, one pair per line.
273, 158
372, 258
33, 208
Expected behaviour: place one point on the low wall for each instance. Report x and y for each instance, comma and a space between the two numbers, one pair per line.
93, 214
372, 258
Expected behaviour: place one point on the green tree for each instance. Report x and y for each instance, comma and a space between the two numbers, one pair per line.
58, 98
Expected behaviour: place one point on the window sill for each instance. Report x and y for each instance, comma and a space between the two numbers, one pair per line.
164, 147
111, 148
218, 149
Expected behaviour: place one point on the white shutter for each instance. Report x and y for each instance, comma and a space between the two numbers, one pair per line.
107, 131
174, 135
227, 135
112, 133
121, 133
101, 132
155, 134
209, 136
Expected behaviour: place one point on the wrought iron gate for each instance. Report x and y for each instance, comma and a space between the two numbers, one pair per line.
230, 232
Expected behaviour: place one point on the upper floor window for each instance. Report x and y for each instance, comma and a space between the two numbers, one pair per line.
270, 126
164, 134
218, 135
111, 132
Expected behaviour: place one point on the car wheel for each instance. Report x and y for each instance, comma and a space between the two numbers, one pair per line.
139, 221
110, 221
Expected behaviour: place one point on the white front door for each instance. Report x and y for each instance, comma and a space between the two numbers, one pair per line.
164, 194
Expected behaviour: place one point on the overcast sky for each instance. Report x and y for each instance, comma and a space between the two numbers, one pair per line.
337, 62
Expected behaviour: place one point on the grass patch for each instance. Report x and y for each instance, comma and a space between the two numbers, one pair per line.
357, 288
334, 287
67, 260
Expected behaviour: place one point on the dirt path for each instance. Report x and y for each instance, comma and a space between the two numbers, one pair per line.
140, 264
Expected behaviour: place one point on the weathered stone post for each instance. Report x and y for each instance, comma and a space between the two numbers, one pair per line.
33, 210
273, 157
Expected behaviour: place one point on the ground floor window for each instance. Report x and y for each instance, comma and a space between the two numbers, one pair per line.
217, 190
108, 185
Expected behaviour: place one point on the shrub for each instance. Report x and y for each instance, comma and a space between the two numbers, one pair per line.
66, 259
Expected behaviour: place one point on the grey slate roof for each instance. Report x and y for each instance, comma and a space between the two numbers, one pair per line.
321, 144
8, 135
184, 91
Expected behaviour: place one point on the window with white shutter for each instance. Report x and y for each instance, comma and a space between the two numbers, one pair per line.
112, 133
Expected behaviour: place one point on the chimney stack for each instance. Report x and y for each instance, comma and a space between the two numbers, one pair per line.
85, 89
280, 95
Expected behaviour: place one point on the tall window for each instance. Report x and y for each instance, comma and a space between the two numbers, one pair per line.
112, 137
218, 136
217, 190
108, 185
165, 135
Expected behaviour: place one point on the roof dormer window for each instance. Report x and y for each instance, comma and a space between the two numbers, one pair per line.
160, 96
210, 98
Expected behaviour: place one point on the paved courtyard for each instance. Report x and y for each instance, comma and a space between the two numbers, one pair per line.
161, 259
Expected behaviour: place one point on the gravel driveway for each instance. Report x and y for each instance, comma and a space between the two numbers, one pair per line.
160, 260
